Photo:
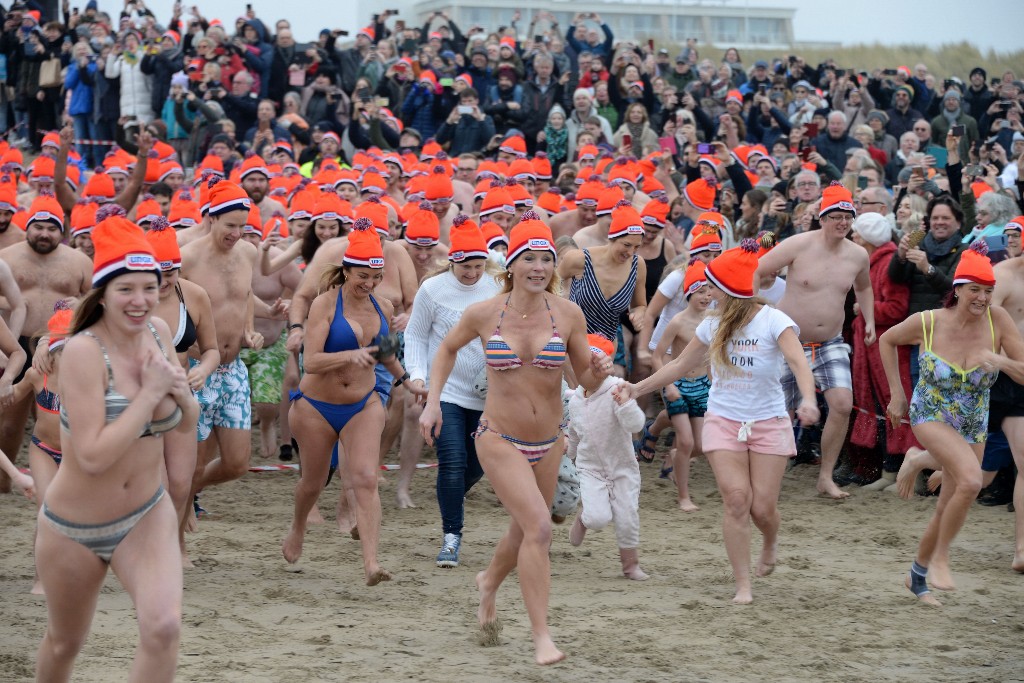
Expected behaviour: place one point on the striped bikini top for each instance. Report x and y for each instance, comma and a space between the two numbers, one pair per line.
48, 401
500, 356
117, 403
602, 314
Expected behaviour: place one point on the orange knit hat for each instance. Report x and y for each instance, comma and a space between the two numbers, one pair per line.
623, 171
733, 271
835, 197
373, 182
120, 247
423, 229
497, 199
42, 170
694, 279
377, 212
8, 196
147, 210
83, 217
513, 145
590, 193
276, 222
226, 196
600, 344
467, 242
302, 204
519, 194
329, 207
364, 247
655, 212
438, 186
975, 267
705, 238
99, 187
625, 221
184, 211
253, 164
164, 241
701, 194
522, 169
59, 324
551, 201
542, 166
529, 234
45, 207
494, 234
608, 199
253, 222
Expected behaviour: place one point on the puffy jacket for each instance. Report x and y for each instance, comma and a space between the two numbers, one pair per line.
81, 92
161, 67
136, 87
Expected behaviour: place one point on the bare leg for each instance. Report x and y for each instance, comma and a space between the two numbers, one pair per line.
732, 473
12, 433
766, 471
393, 425
840, 403
291, 383
180, 454
1013, 427
360, 438
687, 428
409, 451
267, 413
43, 469
913, 462
235, 454
961, 466
316, 440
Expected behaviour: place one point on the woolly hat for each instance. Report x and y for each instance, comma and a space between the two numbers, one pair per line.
120, 248
45, 207
701, 194
705, 238
438, 186
225, 196
210, 162
8, 197
733, 271
83, 217
625, 221
147, 210
373, 183
277, 223
497, 199
424, 229
377, 213
169, 168
529, 234
873, 228
600, 344
368, 32
494, 235
590, 193
467, 241
586, 153
734, 96
301, 205
551, 200
655, 212
522, 169
542, 166
184, 212
41, 170
328, 207
253, 164
623, 171
364, 248
164, 241
835, 197
694, 279
253, 223
514, 144
100, 187
519, 194
975, 267
905, 87
1015, 224
59, 324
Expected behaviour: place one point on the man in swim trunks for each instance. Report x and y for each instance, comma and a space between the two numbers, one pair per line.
222, 264
823, 267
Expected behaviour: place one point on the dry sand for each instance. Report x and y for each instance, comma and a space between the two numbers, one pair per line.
834, 610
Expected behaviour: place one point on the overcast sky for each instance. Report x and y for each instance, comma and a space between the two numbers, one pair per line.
997, 24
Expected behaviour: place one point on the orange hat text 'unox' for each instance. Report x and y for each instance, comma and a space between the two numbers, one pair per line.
45, 207
423, 228
494, 235
529, 234
364, 248
694, 279
467, 241
120, 248
226, 196
625, 221
733, 271
706, 238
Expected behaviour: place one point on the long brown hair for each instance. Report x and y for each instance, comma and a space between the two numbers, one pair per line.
733, 316
89, 310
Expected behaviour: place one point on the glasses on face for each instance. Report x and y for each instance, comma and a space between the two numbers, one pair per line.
863, 203
807, 184
839, 217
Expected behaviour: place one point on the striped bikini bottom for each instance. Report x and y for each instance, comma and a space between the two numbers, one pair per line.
534, 451
102, 539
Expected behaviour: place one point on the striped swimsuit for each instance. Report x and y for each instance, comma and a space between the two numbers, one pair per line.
500, 356
602, 314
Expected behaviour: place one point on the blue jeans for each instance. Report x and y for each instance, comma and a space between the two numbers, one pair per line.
457, 465
85, 129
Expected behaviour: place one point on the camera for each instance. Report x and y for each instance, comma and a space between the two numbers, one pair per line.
705, 148
363, 94
888, 72
958, 131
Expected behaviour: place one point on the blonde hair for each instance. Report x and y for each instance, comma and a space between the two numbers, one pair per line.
733, 316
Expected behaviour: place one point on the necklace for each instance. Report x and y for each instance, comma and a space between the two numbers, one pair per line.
513, 307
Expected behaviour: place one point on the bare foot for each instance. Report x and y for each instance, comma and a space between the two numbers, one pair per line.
545, 651
907, 475
490, 634
934, 481
827, 487
186, 561
926, 598
487, 613
403, 499
687, 505
314, 516
940, 578
635, 573
191, 522
291, 548
347, 523
578, 531
743, 597
37, 588
1018, 562
377, 576
766, 565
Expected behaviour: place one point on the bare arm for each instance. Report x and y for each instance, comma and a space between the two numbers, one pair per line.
793, 352
65, 197
584, 363
16, 356
693, 356
15, 301
777, 259
651, 313
907, 333
199, 307
866, 301
269, 266
638, 304
1012, 363
130, 195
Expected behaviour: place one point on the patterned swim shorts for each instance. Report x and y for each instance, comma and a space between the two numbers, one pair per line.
830, 365
224, 399
693, 397
266, 370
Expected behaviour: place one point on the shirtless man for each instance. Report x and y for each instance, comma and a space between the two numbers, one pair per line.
45, 271
267, 365
823, 267
596, 235
256, 183
571, 222
222, 264
1006, 410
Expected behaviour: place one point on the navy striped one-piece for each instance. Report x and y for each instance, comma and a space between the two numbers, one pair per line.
602, 314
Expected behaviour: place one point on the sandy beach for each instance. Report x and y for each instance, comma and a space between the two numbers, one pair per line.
834, 610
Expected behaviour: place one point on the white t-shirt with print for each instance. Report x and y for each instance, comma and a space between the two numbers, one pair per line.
754, 390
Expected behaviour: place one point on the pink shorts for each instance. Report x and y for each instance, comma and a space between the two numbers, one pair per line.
773, 436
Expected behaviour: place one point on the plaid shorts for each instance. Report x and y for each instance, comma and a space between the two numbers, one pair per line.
830, 365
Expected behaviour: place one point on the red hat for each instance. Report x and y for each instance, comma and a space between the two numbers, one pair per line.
45, 207
519, 194
253, 164
184, 212
716, 219
623, 171
328, 207
225, 196
542, 166
529, 234
465, 78
99, 187
51, 139
975, 266
497, 199
514, 144
551, 201
430, 78
369, 32
424, 229
277, 222
601, 344
467, 242
522, 169
42, 170
59, 324
652, 186
835, 197
120, 247
253, 222
625, 221
694, 279
655, 212
590, 193
609, 198
438, 186
701, 194
147, 210
83, 217
169, 168
164, 241
373, 182
734, 96
377, 213
430, 147
173, 35
210, 162
301, 205
494, 235
979, 188
508, 41
364, 248
705, 238
586, 152
733, 271
8, 197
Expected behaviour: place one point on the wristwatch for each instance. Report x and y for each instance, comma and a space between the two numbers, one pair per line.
930, 271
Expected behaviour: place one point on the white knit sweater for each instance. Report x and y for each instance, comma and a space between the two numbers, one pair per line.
439, 304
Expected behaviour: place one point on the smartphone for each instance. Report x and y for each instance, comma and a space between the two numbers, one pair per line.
446, 82
668, 145
705, 148
975, 170
995, 242
862, 182
248, 7
810, 130
840, 73
382, 101
627, 140
806, 152
538, 38
762, 88
996, 81
464, 109
918, 171
958, 131
1006, 105
363, 94
650, 44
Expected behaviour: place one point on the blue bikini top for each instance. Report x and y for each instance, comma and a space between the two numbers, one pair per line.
341, 336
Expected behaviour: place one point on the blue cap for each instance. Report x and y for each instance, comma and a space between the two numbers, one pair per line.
761, 64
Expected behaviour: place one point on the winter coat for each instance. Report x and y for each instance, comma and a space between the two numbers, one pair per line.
136, 87
161, 67
81, 92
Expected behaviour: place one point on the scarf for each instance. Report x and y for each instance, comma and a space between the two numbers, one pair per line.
558, 143
130, 58
936, 249
951, 116
636, 130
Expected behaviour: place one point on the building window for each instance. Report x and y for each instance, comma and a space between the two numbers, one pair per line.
766, 31
727, 30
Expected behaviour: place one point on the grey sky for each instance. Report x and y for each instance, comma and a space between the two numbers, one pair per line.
996, 24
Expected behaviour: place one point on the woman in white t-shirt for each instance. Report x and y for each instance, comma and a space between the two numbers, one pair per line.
747, 434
